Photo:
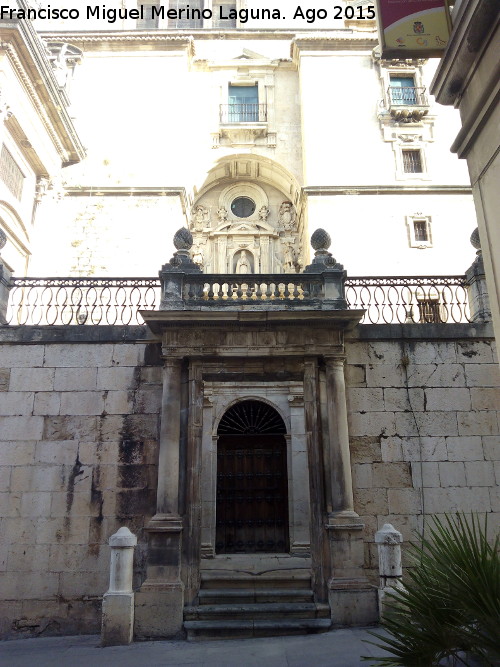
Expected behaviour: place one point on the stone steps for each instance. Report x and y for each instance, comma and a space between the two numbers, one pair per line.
231, 629
243, 604
242, 595
265, 610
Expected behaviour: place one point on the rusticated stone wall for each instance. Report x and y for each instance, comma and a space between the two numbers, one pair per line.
79, 427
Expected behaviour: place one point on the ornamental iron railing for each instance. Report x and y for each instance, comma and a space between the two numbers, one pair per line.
408, 96
90, 301
243, 113
117, 301
406, 300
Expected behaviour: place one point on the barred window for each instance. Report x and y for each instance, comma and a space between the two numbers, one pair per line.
11, 174
226, 5
195, 8
421, 231
148, 22
412, 161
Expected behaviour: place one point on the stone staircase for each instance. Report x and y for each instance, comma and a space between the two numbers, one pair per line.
249, 605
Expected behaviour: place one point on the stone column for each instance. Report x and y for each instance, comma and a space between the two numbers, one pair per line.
118, 603
388, 541
352, 599
340, 460
479, 302
160, 601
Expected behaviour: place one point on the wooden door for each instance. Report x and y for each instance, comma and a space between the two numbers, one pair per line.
252, 494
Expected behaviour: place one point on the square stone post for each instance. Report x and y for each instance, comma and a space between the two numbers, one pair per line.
5, 275
160, 601
118, 603
352, 599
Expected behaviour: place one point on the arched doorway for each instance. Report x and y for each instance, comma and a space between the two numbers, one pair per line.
252, 482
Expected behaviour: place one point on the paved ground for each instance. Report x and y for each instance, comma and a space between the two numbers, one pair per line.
339, 648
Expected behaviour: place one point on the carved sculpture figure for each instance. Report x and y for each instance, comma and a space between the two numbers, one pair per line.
264, 213
198, 256
199, 217
243, 263
286, 217
222, 214
289, 257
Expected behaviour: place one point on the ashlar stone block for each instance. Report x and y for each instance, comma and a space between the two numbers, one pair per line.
449, 399
14, 403
425, 474
480, 473
32, 379
465, 448
477, 423
83, 355
452, 473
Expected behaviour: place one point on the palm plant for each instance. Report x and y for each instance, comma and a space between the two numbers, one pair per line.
450, 605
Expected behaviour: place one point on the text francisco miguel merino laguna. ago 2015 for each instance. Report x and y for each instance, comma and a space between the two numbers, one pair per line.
111, 15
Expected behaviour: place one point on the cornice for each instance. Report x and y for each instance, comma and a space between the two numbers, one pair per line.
320, 190
473, 31
127, 191
27, 56
159, 40
340, 40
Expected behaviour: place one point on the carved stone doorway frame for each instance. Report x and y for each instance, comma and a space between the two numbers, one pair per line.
287, 398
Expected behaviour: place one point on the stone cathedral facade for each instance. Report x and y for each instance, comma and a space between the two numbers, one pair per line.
315, 359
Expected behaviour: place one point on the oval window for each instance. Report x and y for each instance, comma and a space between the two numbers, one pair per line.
243, 207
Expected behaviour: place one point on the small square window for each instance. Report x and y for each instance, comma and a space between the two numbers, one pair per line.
419, 231
412, 161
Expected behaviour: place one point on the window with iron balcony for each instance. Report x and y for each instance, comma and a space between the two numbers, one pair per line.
407, 102
243, 106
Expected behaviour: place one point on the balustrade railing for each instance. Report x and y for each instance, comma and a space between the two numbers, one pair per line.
116, 301
258, 288
403, 300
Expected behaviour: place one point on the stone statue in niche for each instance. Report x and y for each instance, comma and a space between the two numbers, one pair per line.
243, 263
199, 218
198, 256
286, 216
222, 214
289, 257
264, 213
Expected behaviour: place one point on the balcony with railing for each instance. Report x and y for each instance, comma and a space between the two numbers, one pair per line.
231, 114
407, 103
182, 286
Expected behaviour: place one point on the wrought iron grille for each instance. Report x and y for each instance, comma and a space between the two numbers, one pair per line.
79, 301
412, 161
408, 96
403, 300
243, 113
250, 418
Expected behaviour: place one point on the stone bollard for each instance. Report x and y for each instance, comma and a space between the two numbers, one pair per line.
388, 541
118, 603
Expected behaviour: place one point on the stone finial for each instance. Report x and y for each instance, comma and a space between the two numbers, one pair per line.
3, 239
323, 260
183, 239
181, 261
321, 240
475, 240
